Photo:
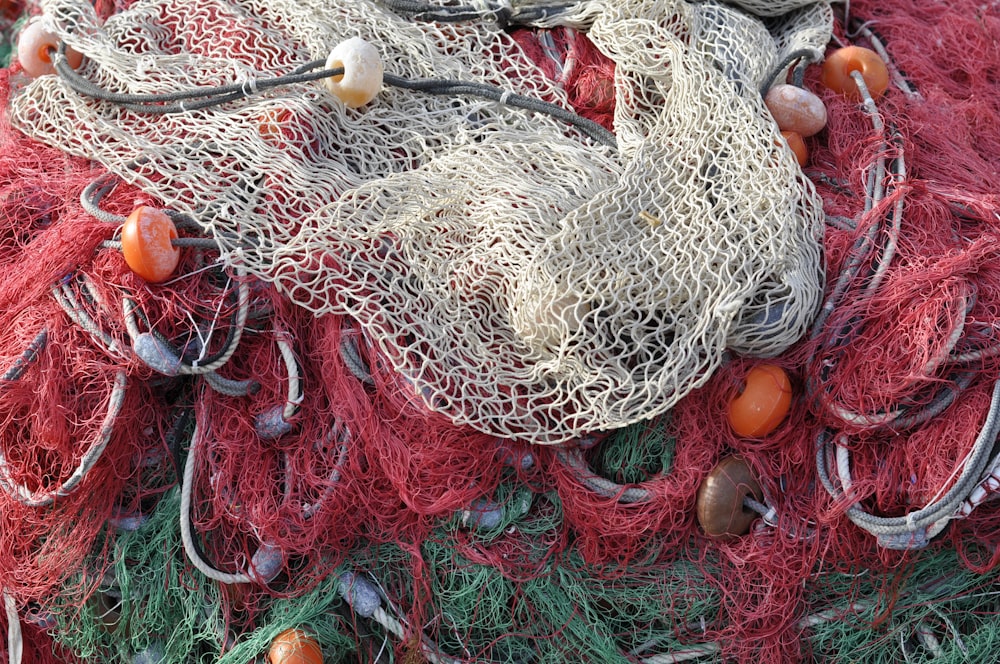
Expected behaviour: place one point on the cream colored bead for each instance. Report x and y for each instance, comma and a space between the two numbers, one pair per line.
35, 48
362, 78
796, 109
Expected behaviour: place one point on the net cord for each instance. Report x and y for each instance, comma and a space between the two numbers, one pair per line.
15, 640
90, 458
187, 538
934, 514
216, 361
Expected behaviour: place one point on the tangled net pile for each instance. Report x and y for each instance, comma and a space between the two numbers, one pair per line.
441, 378
527, 281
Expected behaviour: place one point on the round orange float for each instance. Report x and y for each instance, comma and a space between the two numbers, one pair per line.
147, 244
838, 66
763, 403
798, 146
293, 646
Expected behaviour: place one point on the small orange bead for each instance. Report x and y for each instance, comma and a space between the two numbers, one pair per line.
147, 238
763, 403
838, 66
35, 47
798, 146
293, 646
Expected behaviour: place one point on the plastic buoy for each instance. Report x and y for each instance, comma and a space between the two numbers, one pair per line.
35, 47
362, 77
763, 403
796, 109
838, 66
798, 146
293, 646
147, 238
720, 508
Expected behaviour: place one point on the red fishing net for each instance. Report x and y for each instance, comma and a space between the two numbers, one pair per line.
296, 449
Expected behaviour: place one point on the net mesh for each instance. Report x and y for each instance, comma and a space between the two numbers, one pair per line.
345, 491
526, 281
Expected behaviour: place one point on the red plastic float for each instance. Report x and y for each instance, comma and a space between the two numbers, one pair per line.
798, 146
147, 244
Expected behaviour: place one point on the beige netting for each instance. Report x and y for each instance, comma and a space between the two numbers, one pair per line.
526, 280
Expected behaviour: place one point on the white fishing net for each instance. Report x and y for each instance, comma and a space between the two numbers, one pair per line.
526, 279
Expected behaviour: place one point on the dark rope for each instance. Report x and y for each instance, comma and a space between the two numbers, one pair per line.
807, 54
27, 358
503, 16
202, 98
446, 87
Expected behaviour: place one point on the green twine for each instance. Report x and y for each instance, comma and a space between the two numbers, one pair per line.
571, 610
932, 610
636, 453
6, 39
169, 612
318, 613
165, 607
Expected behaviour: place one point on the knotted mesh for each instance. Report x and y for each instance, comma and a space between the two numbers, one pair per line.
525, 279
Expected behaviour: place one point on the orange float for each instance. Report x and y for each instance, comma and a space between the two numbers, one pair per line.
147, 244
838, 66
763, 403
35, 47
798, 146
293, 646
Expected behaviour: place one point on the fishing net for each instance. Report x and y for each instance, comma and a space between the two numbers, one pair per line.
526, 280
325, 419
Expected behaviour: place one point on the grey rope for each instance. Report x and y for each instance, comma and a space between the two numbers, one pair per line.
202, 98
605, 487
356, 364
230, 387
893, 531
805, 54
902, 417
234, 333
187, 539
44, 498
445, 87
274, 422
15, 640
365, 601
90, 199
67, 300
27, 358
